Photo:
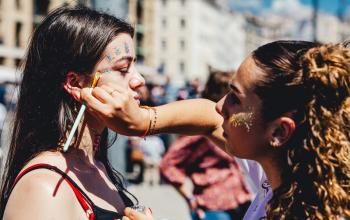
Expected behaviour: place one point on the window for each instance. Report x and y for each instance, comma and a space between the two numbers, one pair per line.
183, 23
41, 7
18, 4
139, 9
18, 34
182, 67
164, 23
163, 44
1, 36
161, 68
18, 62
182, 44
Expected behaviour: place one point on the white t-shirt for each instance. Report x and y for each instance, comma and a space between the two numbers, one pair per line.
259, 185
153, 148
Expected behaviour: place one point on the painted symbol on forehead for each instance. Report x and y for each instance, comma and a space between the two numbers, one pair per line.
242, 119
126, 47
109, 58
117, 51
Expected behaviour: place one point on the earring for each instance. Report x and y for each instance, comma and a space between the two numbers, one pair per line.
274, 143
75, 108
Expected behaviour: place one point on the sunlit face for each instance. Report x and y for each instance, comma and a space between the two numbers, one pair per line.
243, 127
118, 65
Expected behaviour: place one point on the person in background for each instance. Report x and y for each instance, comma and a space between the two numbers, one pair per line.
219, 191
153, 149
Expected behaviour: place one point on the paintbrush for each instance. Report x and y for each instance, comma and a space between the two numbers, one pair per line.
80, 114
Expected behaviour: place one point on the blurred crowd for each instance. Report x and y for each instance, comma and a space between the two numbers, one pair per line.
8, 95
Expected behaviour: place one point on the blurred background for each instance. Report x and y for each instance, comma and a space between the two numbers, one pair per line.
178, 43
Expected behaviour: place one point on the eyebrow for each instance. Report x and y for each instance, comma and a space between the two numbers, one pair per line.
130, 58
234, 88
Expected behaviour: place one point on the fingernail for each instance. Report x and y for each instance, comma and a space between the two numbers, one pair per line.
134, 81
150, 210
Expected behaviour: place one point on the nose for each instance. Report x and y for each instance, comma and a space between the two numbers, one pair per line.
136, 80
219, 105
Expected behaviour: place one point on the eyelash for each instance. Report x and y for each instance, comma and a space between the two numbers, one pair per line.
124, 71
234, 99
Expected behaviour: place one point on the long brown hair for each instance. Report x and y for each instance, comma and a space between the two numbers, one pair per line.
312, 82
69, 39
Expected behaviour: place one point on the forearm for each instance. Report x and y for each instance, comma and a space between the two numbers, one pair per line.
190, 117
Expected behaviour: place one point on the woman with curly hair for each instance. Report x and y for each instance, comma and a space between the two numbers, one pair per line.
288, 110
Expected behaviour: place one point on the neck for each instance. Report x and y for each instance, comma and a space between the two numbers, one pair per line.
89, 140
272, 167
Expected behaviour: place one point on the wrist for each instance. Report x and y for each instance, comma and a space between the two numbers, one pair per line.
146, 118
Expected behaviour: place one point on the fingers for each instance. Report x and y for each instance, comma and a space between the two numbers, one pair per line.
135, 215
92, 103
103, 98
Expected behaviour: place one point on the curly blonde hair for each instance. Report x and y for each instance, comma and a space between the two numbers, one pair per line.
316, 160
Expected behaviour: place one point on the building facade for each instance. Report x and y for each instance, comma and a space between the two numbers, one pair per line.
18, 19
184, 38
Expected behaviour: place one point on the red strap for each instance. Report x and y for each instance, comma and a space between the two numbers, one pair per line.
82, 200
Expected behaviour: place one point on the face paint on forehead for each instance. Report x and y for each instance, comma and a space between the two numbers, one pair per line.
117, 51
126, 47
109, 58
242, 119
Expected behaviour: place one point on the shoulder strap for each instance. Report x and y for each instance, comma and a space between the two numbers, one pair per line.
83, 199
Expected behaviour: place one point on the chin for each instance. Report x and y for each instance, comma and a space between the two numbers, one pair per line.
232, 151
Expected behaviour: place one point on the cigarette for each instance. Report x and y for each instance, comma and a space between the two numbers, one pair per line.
80, 114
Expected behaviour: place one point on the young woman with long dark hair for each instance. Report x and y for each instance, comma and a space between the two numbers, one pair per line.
40, 181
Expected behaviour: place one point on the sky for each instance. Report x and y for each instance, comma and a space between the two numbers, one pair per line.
326, 6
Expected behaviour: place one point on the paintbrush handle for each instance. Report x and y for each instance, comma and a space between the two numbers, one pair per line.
74, 128
80, 114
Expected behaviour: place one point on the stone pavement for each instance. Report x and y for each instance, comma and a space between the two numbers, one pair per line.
164, 201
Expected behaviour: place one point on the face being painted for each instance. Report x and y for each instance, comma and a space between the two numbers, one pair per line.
118, 65
243, 127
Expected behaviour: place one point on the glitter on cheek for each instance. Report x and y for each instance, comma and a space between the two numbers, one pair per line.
242, 119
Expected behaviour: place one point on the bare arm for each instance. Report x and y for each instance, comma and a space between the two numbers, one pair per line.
120, 112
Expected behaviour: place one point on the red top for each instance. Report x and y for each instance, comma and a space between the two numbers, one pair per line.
92, 211
218, 182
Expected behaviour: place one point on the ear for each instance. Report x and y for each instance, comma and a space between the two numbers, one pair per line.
281, 131
72, 85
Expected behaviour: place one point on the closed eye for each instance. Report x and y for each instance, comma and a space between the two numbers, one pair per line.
124, 71
233, 98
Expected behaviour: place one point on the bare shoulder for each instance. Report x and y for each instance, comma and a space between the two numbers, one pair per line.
40, 194
53, 158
